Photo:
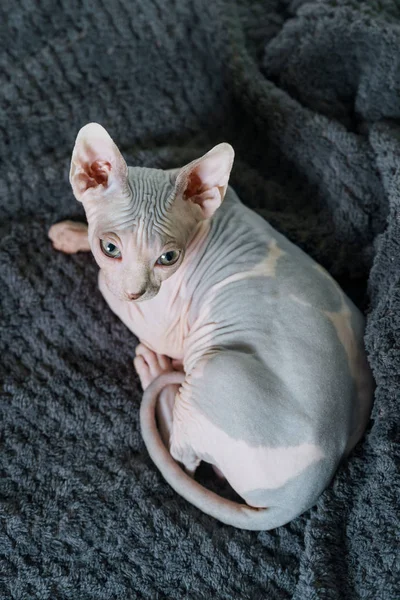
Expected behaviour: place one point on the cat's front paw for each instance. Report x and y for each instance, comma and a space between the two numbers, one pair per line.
70, 237
149, 365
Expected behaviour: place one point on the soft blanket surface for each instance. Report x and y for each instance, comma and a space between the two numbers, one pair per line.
308, 93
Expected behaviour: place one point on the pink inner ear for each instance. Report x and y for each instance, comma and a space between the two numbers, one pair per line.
93, 175
98, 173
193, 187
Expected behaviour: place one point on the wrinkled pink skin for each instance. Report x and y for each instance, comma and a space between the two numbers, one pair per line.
275, 388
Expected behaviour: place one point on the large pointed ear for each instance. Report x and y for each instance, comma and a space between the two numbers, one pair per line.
97, 166
205, 180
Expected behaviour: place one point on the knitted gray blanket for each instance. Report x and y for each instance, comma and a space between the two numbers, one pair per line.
308, 93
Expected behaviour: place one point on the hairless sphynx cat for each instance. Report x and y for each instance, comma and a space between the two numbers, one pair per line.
251, 357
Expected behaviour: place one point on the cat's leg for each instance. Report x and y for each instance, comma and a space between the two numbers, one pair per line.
149, 366
70, 237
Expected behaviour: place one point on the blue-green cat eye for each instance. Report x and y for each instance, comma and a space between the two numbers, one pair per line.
168, 258
110, 249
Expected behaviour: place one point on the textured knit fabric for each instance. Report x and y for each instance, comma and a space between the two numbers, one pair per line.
309, 96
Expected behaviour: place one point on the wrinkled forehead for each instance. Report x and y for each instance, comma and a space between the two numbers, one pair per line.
145, 209
151, 189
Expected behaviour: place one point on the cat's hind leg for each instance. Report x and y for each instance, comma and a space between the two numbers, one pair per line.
70, 237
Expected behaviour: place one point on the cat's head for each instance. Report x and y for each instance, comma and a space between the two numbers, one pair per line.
141, 220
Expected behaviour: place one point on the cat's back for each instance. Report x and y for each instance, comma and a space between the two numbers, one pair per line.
248, 268
258, 293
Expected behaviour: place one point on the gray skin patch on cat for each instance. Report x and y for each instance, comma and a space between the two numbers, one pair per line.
294, 494
277, 351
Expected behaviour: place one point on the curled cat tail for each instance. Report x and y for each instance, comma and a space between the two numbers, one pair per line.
231, 513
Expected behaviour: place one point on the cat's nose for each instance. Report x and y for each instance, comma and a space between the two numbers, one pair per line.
135, 296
